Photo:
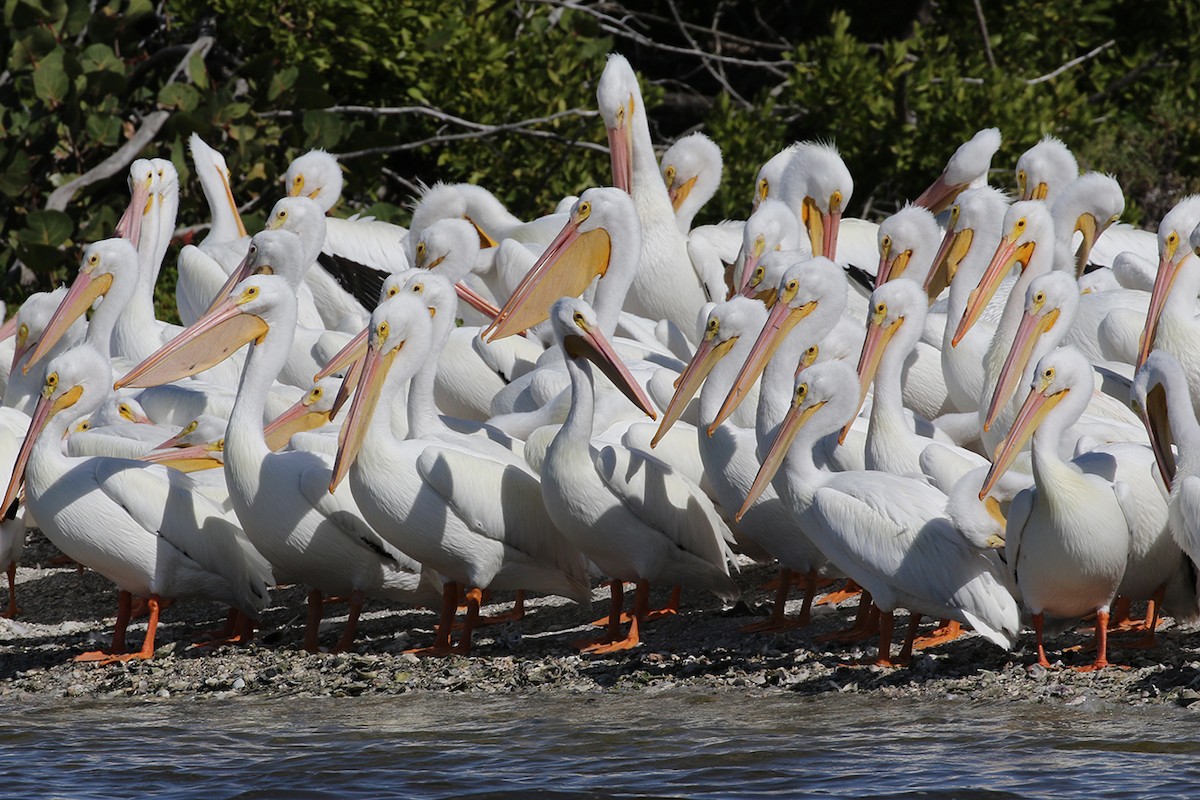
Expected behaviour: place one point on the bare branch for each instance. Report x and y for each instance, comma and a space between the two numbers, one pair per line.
201, 46
710, 62
151, 125
987, 44
1074, 62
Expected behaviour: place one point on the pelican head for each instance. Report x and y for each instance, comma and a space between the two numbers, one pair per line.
1175, 247
313, 410
772, 227
805, 287
894, 306
271, 252
199, 445
1045, 169
1088, 205
1158, 391
245, 315
581, 252
1048, 299
215, 180
399, 329
1027, 224
317, 176
449, 246
142, 175
31, 320
822, 401
727, 322
578, 332
769, 179
107, 267
620, 100
904, 242
967, 168
1060, 374
75, 385
817, 185
691, 168
975, 211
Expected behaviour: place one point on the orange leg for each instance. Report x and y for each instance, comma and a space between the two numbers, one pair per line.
12, 611
124, 605
316, 609
914, 621
866, 624
474, 600
221, 634
886, 625
441, 635
851, 589
347, 641
1120, 620
516, 614
948, 631
672, 606
1150, 623
1037, 631
612, 621
147, 650
641, 607
778, 621
1101, 643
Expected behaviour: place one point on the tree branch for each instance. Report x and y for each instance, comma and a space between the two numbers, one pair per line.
987, 43
151, 125
1074, 62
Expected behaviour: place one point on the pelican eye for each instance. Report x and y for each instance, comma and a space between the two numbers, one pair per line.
801, 393
579, 319
793, 285
810, 355
417, 288
764, 187
954, 216
583, 210
84, 425
759, 272
835, 201
669, 175
190, 427
714, 326
22, 333
125, 411
392, 290
1113, 219
315, 394
282, 215
420, 249
886, 243
250, 293
881, 309
1039, 298
381, 330
93, 259
1048, 375
1172, 238
1020, 226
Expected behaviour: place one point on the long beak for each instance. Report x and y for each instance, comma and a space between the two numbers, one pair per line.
476, 300
822, 228
938, 197
706, 357
349, 384
1158, 426
1091, 231
595, 348
375, 365
891, 268
564, 269
1031, 329
793, 421
193, 458
748, 265
779, 323
953, 249
296, 419
9, 328
237, 217
678, 194
239, 274
351, 353
45, 409
79, 298
19, 352
205, 343
1032, 412
1008, 252
874, 346
130, 225
620, 149
485, 241
1163, 281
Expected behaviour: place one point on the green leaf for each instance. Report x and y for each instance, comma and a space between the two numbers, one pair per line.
104, 129
322, 129
50, 81
198, 72
180, 96
50, 228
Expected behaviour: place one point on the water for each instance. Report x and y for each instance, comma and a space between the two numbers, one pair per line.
610, 746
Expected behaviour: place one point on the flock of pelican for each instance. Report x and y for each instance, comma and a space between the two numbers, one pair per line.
968, 411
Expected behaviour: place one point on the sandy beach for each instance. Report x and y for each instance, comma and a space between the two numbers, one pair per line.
66, 611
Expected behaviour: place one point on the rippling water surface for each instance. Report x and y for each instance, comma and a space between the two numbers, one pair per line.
607, 746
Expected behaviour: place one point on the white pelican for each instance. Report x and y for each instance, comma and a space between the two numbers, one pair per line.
908, 239
283, 499
966, 169
769, 180
476, 519
887, 532
729, 453
23, 388
12, 525
630, 514
1087, 206
772, 227
665, 285
1068, 540
817, 185
144, 527
1045, 169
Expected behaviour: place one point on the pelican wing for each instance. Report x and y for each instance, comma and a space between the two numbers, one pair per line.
173, 506
1187, 535
340, 509
499, 501
666, 501
1018, 517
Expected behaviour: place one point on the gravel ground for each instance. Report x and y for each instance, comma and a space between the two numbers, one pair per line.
66, 611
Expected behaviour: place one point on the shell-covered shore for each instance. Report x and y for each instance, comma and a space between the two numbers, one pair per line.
66, 611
